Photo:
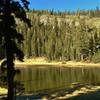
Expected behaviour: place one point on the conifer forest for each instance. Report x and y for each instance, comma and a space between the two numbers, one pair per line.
62, 35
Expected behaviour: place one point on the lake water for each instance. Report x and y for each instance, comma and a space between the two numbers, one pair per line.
42, 78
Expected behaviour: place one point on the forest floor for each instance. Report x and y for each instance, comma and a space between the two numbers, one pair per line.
76, 92
44, 61
3, 92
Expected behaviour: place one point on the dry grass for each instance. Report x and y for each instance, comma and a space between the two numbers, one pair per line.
3, 91
44, 61
81, 93
87, 92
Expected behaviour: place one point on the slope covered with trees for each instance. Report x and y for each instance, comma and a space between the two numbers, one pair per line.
62, 35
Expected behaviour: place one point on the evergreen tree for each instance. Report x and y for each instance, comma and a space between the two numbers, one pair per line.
9, 9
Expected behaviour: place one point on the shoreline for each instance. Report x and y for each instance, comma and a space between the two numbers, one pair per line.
41, 61
76, 90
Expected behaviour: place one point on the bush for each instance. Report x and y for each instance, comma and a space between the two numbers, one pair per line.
96, 57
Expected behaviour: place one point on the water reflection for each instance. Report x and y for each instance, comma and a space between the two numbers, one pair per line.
42, 78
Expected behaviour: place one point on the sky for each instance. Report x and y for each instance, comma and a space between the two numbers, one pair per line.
64, 5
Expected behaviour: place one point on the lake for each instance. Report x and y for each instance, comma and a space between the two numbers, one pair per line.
48, 78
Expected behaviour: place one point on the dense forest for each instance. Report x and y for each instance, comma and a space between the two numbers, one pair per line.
61, 35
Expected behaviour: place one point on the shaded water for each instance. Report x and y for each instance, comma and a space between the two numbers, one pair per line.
48, 77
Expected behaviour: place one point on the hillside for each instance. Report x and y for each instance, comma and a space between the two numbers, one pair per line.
61, 36
92, 20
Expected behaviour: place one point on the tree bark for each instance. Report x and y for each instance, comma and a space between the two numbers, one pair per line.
10, 68
9, 50
10, 79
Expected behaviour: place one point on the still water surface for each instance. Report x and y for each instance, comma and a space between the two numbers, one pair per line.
41, 78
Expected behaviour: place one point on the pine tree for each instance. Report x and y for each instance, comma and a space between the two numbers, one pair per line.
9, 9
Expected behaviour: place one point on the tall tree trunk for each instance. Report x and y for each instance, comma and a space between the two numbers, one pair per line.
10, 68
10, 77
9, 50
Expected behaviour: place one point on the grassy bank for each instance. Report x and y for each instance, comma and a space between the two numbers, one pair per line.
44, 61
